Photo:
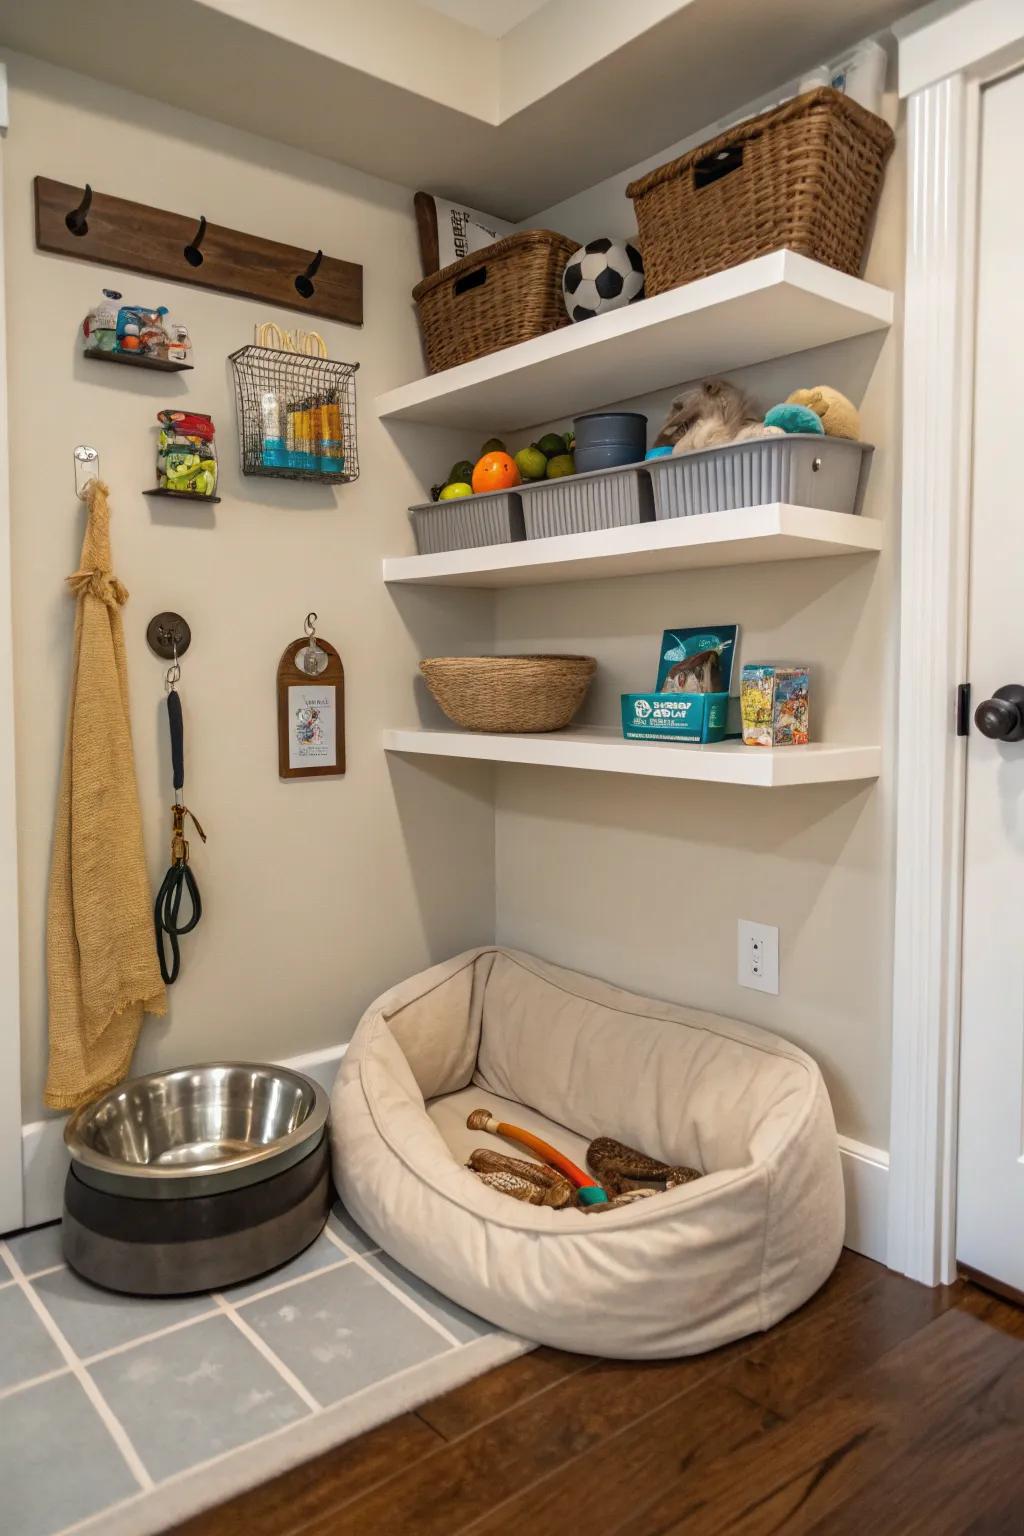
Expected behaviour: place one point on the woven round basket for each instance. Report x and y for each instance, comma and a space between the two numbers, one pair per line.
509, 693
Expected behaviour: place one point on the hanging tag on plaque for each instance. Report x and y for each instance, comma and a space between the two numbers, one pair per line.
310, 708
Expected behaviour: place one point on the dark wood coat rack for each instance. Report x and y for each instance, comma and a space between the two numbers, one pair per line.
75, 221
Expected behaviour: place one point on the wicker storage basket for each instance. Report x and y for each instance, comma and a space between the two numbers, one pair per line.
511, 291
509, 693
805, 176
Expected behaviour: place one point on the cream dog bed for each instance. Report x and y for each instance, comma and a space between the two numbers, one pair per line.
573, 1058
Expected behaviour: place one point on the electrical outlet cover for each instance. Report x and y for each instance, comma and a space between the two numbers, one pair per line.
758, 956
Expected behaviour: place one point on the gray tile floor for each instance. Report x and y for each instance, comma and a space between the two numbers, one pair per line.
103, 1397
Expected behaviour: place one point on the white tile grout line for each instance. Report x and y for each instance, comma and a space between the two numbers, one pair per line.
37, 1274
248, 1331
389, 1285
110, 1421
33, 1381
286, 1285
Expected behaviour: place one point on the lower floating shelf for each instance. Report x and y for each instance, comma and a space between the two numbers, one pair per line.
607, 752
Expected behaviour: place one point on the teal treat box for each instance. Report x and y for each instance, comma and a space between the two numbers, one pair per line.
694, 717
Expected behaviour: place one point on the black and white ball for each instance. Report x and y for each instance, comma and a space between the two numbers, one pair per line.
603, 274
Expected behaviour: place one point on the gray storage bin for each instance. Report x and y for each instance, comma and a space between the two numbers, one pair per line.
804, 468
606, 498
469, 522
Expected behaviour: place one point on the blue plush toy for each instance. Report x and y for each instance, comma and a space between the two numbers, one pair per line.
794, 418
662, 453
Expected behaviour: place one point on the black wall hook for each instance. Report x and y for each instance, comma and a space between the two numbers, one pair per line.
76, 220
192, 253
304, 281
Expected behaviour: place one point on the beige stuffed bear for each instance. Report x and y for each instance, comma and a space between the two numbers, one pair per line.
839, 416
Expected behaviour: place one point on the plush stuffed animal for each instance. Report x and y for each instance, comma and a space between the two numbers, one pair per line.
794, 418
839, 416
708, 416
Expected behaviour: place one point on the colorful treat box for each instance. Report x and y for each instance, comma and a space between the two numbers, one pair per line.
775, 706
693, 717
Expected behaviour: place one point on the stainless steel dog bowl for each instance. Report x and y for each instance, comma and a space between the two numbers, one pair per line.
198, 1130
197, 1178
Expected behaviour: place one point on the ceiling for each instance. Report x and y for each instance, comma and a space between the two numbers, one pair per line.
400, 90
495, 17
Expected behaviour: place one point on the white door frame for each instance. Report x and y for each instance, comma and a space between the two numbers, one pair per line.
11, 1184
945, 59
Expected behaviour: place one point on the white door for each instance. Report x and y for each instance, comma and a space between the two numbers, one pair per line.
990, 1204
11, 1206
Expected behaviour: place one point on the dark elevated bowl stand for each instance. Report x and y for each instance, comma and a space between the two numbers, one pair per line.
169, 1247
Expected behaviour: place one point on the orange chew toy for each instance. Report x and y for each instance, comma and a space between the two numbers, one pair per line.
591, 1191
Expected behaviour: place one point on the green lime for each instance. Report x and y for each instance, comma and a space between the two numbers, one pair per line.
462, 471
552, 445
493, 445
531, 463
561, 464
455, 489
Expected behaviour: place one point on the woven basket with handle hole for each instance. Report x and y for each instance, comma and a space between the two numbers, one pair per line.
803, 177
509, 693
510, 291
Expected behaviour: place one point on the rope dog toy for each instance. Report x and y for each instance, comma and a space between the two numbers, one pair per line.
588, 1190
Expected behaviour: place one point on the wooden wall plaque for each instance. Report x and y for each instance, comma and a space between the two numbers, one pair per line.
310, 714
138, 238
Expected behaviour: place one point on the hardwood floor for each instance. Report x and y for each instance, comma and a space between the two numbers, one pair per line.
880, 1409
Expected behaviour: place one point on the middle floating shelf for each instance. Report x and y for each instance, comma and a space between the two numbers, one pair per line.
776, 531
606, 751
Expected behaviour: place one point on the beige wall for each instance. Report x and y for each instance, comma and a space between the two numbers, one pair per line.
317, 895
642, 881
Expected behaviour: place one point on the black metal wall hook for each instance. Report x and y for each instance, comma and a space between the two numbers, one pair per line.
192, 252
304, 282
77, 220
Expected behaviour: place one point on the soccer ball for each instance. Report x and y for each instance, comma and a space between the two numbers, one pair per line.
603, 274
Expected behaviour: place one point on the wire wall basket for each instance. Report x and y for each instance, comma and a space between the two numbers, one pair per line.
296, 415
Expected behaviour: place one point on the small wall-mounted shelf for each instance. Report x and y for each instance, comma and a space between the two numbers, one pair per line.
763, 309
777, 531
607, 752
136, 360
180, 495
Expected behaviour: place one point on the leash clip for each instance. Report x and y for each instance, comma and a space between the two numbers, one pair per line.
179, 842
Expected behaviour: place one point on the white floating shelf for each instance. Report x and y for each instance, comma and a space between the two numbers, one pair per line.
766, 308
777, 531
607, 752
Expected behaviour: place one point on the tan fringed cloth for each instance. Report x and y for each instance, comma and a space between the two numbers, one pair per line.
100, 950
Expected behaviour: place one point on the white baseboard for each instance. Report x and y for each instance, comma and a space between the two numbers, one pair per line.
865, 1169
44, 1159
866, 1177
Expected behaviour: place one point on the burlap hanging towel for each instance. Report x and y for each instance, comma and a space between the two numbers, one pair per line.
101, 960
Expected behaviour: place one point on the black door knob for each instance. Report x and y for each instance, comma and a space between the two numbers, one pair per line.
1002, 716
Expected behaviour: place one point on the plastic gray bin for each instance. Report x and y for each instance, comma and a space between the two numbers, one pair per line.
468, 522
804, 468
606, 498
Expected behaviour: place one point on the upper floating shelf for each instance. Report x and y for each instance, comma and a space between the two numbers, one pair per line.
767, 308
777, 531
606, 751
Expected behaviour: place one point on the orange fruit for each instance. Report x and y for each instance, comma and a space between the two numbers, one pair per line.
495, 472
